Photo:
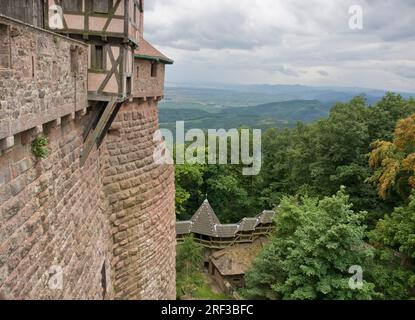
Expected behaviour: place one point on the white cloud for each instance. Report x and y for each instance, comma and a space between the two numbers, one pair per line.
286, 41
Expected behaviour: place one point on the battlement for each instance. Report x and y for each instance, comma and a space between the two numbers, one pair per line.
43, 78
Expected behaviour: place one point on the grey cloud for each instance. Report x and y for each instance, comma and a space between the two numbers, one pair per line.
287, 71
286, 36
219, 28
405, 71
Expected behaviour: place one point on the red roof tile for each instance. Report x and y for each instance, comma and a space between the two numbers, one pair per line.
147, 51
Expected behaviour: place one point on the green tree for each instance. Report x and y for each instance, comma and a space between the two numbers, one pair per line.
315, 244
384, 115
228, 195
318, 158
189, 188
394, 162
189, 261
394, 237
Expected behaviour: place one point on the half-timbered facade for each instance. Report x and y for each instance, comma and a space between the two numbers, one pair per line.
112, 29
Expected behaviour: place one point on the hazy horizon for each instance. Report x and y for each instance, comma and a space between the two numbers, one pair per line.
220, 85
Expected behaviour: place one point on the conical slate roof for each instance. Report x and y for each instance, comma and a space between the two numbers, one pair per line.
204, 220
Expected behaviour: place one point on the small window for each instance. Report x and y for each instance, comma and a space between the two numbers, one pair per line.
104, 281
129, 86
102, 6
138, 72
72, 5
153, 69
98, 58
33, 66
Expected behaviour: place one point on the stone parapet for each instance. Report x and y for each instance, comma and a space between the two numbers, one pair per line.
43, 77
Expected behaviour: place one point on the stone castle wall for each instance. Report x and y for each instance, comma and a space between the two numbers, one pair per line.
53, 215
142, 204
146, 85
109, 226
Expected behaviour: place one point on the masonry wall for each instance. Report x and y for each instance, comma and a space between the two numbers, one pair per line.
141, 196
109, 226
53, 215
146, 85
43, 76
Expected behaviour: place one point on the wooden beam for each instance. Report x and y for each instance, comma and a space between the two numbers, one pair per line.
95, 133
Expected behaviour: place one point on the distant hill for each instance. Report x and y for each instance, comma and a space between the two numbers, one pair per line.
258, 106
294, 111
277, 114
243, 95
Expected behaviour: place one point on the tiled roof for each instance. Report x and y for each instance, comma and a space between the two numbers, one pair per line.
183, 227
148, 52
266, 217
236, 260
248, 224
205, 222
226, 230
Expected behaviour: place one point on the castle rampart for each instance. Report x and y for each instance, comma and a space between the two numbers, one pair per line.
43, 77
76, 224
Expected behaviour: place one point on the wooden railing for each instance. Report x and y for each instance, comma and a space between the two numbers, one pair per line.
218, 244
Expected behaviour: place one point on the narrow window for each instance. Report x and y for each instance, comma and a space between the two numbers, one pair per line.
129, 86
102, 6
72, 5
153, 69
104, 280
33, 66
138, 72
98, 61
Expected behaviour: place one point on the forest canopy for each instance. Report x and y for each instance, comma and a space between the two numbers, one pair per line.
366, 152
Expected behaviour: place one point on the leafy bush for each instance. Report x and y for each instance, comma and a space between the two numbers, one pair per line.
315, 244
40, 147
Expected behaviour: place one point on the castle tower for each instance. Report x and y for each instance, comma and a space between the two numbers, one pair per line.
92, 217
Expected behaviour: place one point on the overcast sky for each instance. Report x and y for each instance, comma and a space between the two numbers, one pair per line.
286, 41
